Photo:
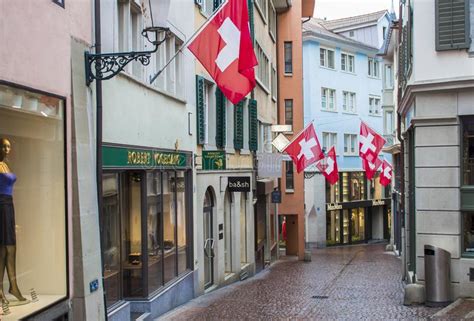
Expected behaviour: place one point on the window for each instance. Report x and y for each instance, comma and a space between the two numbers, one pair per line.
373, 68
262, 8
452, 24
353, 186
350, 143
468, 150
328, 99
207, 7
388, 77
347, 62
326, 58
59, 2
468, 233
374, 188
289, 112
290, 182
272, 18
348, 102
171, 79
274, 83
329, 140
384, 32
263, 69
288, 57
389, 123
351, 33
374, 105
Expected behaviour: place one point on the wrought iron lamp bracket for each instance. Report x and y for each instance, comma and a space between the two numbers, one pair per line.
107, 65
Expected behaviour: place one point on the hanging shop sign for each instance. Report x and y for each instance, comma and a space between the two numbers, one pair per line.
141, 158
238, 184
276, 197
213, 160
378, 202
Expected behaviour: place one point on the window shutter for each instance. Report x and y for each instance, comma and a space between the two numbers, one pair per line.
253, 125
220, 119
452, 24
251, 20
200, 130
239, 125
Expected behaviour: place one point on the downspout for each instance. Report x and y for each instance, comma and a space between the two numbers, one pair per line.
98, 101
399, 133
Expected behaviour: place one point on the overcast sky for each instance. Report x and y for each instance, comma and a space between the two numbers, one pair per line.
334, 9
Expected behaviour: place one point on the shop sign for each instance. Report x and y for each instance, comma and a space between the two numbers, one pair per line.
179, 182
378, 202
238, 184
334, 206
269, 165
213, 160
276, 197
114, 157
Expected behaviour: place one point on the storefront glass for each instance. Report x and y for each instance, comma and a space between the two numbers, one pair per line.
468, 233
358, 224
332, 193
243, 228
375, 188
345, 226
333, 226
144, 222
468, 150
32, 201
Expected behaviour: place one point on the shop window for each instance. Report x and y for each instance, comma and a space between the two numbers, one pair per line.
333, 226
375, 188
353, 186
357, 224
154, 223
169, 226
468, 151
32, 200
179, 186
468, 233
243, 228
332, 193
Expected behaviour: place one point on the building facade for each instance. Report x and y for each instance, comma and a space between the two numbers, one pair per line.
46, 133
290, 113
342, 87
436, 80
147, 162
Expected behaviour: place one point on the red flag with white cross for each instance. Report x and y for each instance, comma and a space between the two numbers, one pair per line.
304, 149
224, 47
371, 167
370, 143
328, 166
386, 174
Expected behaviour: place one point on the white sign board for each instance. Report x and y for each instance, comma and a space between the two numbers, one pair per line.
269, 165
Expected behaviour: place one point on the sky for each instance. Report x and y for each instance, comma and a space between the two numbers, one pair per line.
335, 9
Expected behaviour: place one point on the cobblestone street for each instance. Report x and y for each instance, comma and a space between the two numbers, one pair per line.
344, 283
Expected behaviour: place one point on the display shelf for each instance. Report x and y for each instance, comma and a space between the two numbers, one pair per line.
21, 311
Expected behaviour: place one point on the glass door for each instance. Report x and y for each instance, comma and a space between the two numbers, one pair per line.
208, 241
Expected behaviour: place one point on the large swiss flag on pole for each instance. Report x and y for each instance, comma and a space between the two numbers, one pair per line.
370, 143
304, 149
224, 47
386, 174
371, 166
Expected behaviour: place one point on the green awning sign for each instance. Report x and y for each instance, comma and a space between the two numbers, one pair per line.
213, 160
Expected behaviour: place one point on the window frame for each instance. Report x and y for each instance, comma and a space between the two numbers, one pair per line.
263, 66
346, 60
332, 141
286, 112
351, 96
262, 6
288, 59
325, 64
327, 93
353, 139
373, 68
289, 173
377, 107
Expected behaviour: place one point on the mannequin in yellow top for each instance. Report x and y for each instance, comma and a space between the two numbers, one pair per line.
7, 225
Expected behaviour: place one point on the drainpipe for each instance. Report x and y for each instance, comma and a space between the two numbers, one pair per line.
399, 134
98, 102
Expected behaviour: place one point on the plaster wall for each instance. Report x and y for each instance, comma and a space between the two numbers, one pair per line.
315, 204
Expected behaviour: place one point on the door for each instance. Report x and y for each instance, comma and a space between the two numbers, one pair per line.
208, 237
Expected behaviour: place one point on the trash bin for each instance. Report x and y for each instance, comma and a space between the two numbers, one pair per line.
437, 276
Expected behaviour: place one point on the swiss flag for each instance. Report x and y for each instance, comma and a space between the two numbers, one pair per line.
305, 150
328, 167
370, 142
371, 167
224, 47
386, 175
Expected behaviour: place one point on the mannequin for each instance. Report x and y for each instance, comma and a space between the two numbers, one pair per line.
7, 224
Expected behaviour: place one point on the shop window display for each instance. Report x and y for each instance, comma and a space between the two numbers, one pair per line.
32, 201
358, 224
468, 234
333, 227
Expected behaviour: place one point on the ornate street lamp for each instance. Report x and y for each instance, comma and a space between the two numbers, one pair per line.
104, 66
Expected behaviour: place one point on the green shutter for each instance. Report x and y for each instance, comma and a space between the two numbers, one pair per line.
220, 119
251, 20
253, 125
200, 130
239, 125
452, 24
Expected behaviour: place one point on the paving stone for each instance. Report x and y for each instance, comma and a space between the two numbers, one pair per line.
360, 283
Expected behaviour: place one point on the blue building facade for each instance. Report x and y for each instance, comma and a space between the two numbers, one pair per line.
343, 85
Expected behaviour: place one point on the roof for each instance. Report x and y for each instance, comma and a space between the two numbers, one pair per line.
315, 28
353, 21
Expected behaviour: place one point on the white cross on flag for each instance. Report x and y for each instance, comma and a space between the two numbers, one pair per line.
304, 149
370, 143
386, 175
224, 47
371, 166
328, 166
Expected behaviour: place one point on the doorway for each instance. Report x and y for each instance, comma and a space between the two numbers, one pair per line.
208, 237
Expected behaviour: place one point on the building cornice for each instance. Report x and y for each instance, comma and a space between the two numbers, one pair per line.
416, 88
314, 36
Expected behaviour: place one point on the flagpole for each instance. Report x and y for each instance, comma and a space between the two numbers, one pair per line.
296, 136
153, 78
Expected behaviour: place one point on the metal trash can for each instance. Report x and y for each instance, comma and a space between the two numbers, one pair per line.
437, 276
